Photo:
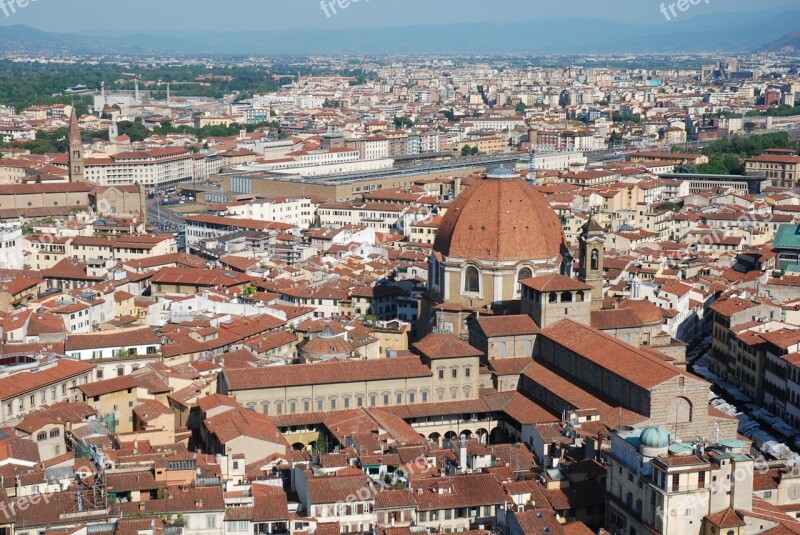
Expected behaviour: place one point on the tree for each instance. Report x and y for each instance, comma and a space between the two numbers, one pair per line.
466, 150
520, 108
321, 445
474, 151
403, 122
135, 130
627, 118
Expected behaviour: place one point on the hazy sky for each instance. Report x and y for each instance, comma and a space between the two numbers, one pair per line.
133, 15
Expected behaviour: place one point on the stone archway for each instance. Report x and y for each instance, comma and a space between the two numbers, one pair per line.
482, 435
298, 446
498, 435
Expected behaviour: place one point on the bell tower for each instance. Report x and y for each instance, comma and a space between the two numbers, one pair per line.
77, 171
592, 244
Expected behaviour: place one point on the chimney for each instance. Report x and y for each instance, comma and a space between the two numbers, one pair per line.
198, 503
462, 453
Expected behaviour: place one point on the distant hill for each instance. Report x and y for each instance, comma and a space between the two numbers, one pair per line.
788, 44
719, 32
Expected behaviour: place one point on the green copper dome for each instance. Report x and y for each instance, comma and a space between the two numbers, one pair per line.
654, 437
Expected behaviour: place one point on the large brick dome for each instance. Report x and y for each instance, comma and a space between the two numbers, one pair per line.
501, 218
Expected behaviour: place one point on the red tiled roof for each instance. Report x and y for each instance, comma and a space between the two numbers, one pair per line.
333, 371
514, 325
500, 220
443, 346
621, 359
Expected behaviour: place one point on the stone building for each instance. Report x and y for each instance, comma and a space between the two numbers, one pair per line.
498, 232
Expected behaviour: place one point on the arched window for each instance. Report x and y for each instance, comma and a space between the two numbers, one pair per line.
552, 297
472, 280
55, 433
566, 297
579, 297
680, 411
595, 259
41, 436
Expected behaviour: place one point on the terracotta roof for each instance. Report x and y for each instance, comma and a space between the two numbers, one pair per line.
25, 381
500, 220
514, 325
238, 422
443, 346
329, 372
619, 358
116, 339
199, 277
460, 491
150, 409
108, 386
554, 283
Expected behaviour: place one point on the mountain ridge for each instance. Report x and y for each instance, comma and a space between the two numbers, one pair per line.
725, 32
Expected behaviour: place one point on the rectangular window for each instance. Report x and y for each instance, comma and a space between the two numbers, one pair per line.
701, 480
676, 483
